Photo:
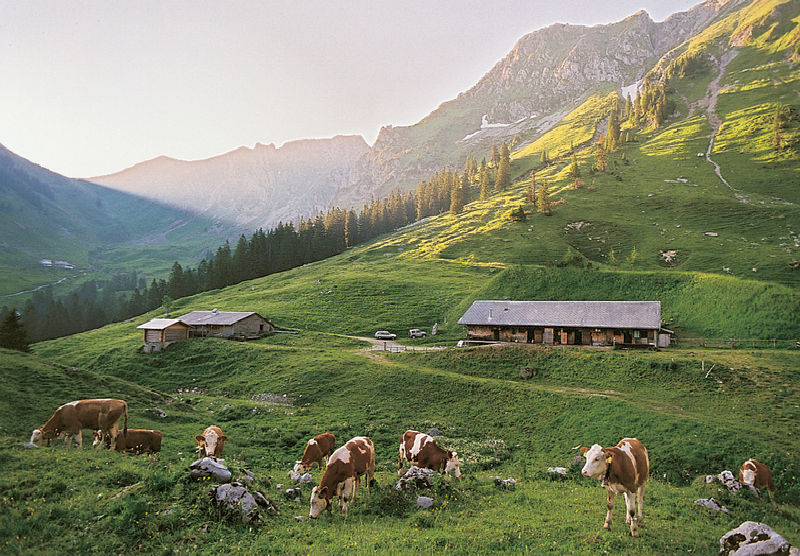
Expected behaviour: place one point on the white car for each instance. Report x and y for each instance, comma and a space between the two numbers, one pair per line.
417, 333
385, 335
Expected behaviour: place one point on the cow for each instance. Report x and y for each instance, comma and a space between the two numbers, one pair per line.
342, 475
71, 418
211, 442
623, 468
420, 449
139, 441
316, 452
755, 474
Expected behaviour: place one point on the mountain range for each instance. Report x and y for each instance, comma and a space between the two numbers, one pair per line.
552, 91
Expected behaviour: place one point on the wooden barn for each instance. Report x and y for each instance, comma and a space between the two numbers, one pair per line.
159, 333
227, 324
588, 323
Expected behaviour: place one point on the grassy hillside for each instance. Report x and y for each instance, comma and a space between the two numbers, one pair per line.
500, 425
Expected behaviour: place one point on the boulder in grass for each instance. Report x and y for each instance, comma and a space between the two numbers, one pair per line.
424, 502
711, 504
236, 496
415, 477
754, 539
209, 467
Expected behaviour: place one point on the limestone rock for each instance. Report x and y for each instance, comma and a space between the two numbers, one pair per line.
753, 539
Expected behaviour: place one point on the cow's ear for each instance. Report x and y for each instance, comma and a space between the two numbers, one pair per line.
199, 438
609, 456
583, 449
321, 492
223, 437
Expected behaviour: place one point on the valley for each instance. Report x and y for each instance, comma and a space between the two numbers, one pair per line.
645, 215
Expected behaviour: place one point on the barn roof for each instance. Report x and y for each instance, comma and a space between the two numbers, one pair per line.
160, 324
216, 318
574, 314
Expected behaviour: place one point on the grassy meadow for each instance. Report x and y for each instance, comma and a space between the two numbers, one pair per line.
698, 410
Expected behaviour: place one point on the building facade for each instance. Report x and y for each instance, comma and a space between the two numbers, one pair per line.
589, 323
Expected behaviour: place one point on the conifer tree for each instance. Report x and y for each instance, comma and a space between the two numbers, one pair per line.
503, 179
456, 198
12, 332
543, 199
777, 130
495, 155
612, 137
601, 159
484, 184
532, 189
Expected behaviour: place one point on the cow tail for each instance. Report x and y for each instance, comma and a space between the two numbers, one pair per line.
125, 426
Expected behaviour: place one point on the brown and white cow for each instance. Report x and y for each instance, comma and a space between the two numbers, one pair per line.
623, 468
342, 475
211, 442
755, 474
71, 418
316, 452
421, 450
139, 441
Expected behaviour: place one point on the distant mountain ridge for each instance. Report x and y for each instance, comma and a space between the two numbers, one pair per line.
248, 188
47, 215
546, 74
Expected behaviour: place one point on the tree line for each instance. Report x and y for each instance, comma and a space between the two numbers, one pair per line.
96, 303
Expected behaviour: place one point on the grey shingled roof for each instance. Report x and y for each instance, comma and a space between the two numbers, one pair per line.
159, 324
573, 314
214, 318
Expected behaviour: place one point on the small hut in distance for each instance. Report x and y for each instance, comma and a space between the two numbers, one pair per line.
159, 333
240, 325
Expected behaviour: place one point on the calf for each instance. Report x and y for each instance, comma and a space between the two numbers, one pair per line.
420, 449
71, 418
138, 441
211, 442
343, 474
624, 469
755, 474
316, 451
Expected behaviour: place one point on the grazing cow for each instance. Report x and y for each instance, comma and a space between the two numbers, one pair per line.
420, 449
755, 474
139, 441
71, 418
624, 469
342, 475
316, 452
211, 442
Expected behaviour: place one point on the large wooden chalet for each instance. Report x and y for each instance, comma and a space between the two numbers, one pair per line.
588, 323
159, 333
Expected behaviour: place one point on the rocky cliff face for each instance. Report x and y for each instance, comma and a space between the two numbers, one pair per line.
249, 188
547, 73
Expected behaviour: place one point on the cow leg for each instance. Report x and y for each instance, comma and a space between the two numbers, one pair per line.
640, 504
347, 492
609, 506
112, 434
630, 512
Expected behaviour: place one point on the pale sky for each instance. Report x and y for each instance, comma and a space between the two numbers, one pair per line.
92, 87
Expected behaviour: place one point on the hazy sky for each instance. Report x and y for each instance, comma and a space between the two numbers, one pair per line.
92, 87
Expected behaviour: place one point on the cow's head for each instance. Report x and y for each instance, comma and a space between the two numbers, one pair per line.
747, 473
42, 436
299, 467
37, 438
453, 464
597, 462
320, 501
97, 437
206, 445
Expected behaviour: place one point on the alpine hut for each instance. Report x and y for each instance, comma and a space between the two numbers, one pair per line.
595, 323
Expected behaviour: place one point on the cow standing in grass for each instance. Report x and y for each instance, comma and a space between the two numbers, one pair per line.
343, 474
316, 452
71, 418
420, 449
623, 468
